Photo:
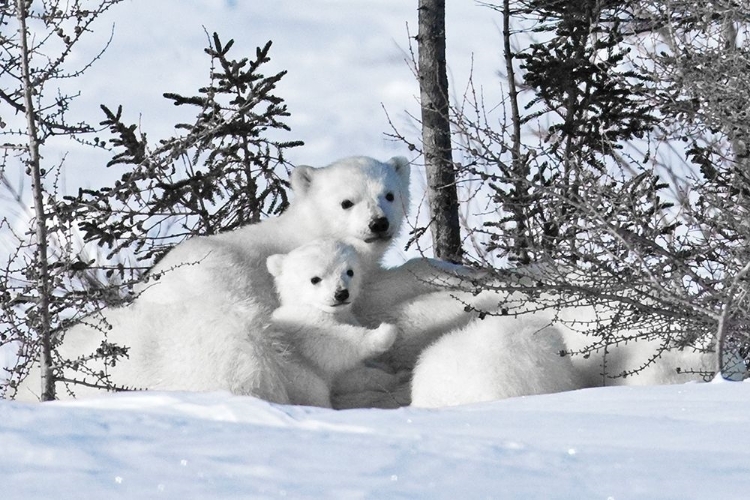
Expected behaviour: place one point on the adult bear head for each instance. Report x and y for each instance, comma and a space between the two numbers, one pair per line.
356, 197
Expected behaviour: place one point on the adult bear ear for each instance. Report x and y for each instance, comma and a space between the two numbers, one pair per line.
301, 179
402, 168
274, 264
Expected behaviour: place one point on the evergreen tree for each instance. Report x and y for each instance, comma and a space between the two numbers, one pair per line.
222, 172
216, 174
38, 286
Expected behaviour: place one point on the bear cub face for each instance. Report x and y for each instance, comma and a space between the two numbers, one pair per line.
324, 274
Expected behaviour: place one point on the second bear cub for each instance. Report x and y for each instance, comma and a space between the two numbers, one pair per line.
317, 284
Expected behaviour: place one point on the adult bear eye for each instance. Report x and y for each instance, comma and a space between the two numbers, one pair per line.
315, 280
389, 197
347, 204
350, 273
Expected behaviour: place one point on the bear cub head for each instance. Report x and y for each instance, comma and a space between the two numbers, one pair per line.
324, 274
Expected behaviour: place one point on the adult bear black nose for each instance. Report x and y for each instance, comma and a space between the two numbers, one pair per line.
341, 295
379, 225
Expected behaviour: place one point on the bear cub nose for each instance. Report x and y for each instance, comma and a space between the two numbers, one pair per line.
379, 225
341, 295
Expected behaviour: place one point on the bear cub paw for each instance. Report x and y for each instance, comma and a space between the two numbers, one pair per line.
382, 338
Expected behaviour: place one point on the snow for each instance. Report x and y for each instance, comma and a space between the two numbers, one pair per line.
348, 64
681, 442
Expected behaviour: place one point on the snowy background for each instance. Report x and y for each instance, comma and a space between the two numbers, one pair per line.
347, 62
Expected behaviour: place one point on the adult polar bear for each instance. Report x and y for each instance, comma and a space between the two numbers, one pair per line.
200, 325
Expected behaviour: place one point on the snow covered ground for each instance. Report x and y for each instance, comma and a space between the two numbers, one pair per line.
670, 442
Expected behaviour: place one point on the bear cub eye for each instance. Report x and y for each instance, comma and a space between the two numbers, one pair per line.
389, 197
350, 273
347, 204
315, 280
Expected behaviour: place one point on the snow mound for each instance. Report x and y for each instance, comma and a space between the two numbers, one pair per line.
685, 441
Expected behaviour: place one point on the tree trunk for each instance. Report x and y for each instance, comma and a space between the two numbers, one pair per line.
520, 170
436, 133
34, 167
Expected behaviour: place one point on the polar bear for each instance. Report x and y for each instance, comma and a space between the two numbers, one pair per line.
199, 322
316, 285
494, 358
504, 356
443, 331
642, 359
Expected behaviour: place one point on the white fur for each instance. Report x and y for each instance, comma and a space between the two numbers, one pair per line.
643, 353
468, 356
429, 316
490, 359
317, 284
424, 299
373, 385
201, 325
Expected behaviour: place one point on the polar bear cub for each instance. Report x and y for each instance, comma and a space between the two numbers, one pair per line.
316, 285
494, 358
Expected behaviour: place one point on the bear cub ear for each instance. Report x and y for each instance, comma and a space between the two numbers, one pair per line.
274, 263
301, 179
